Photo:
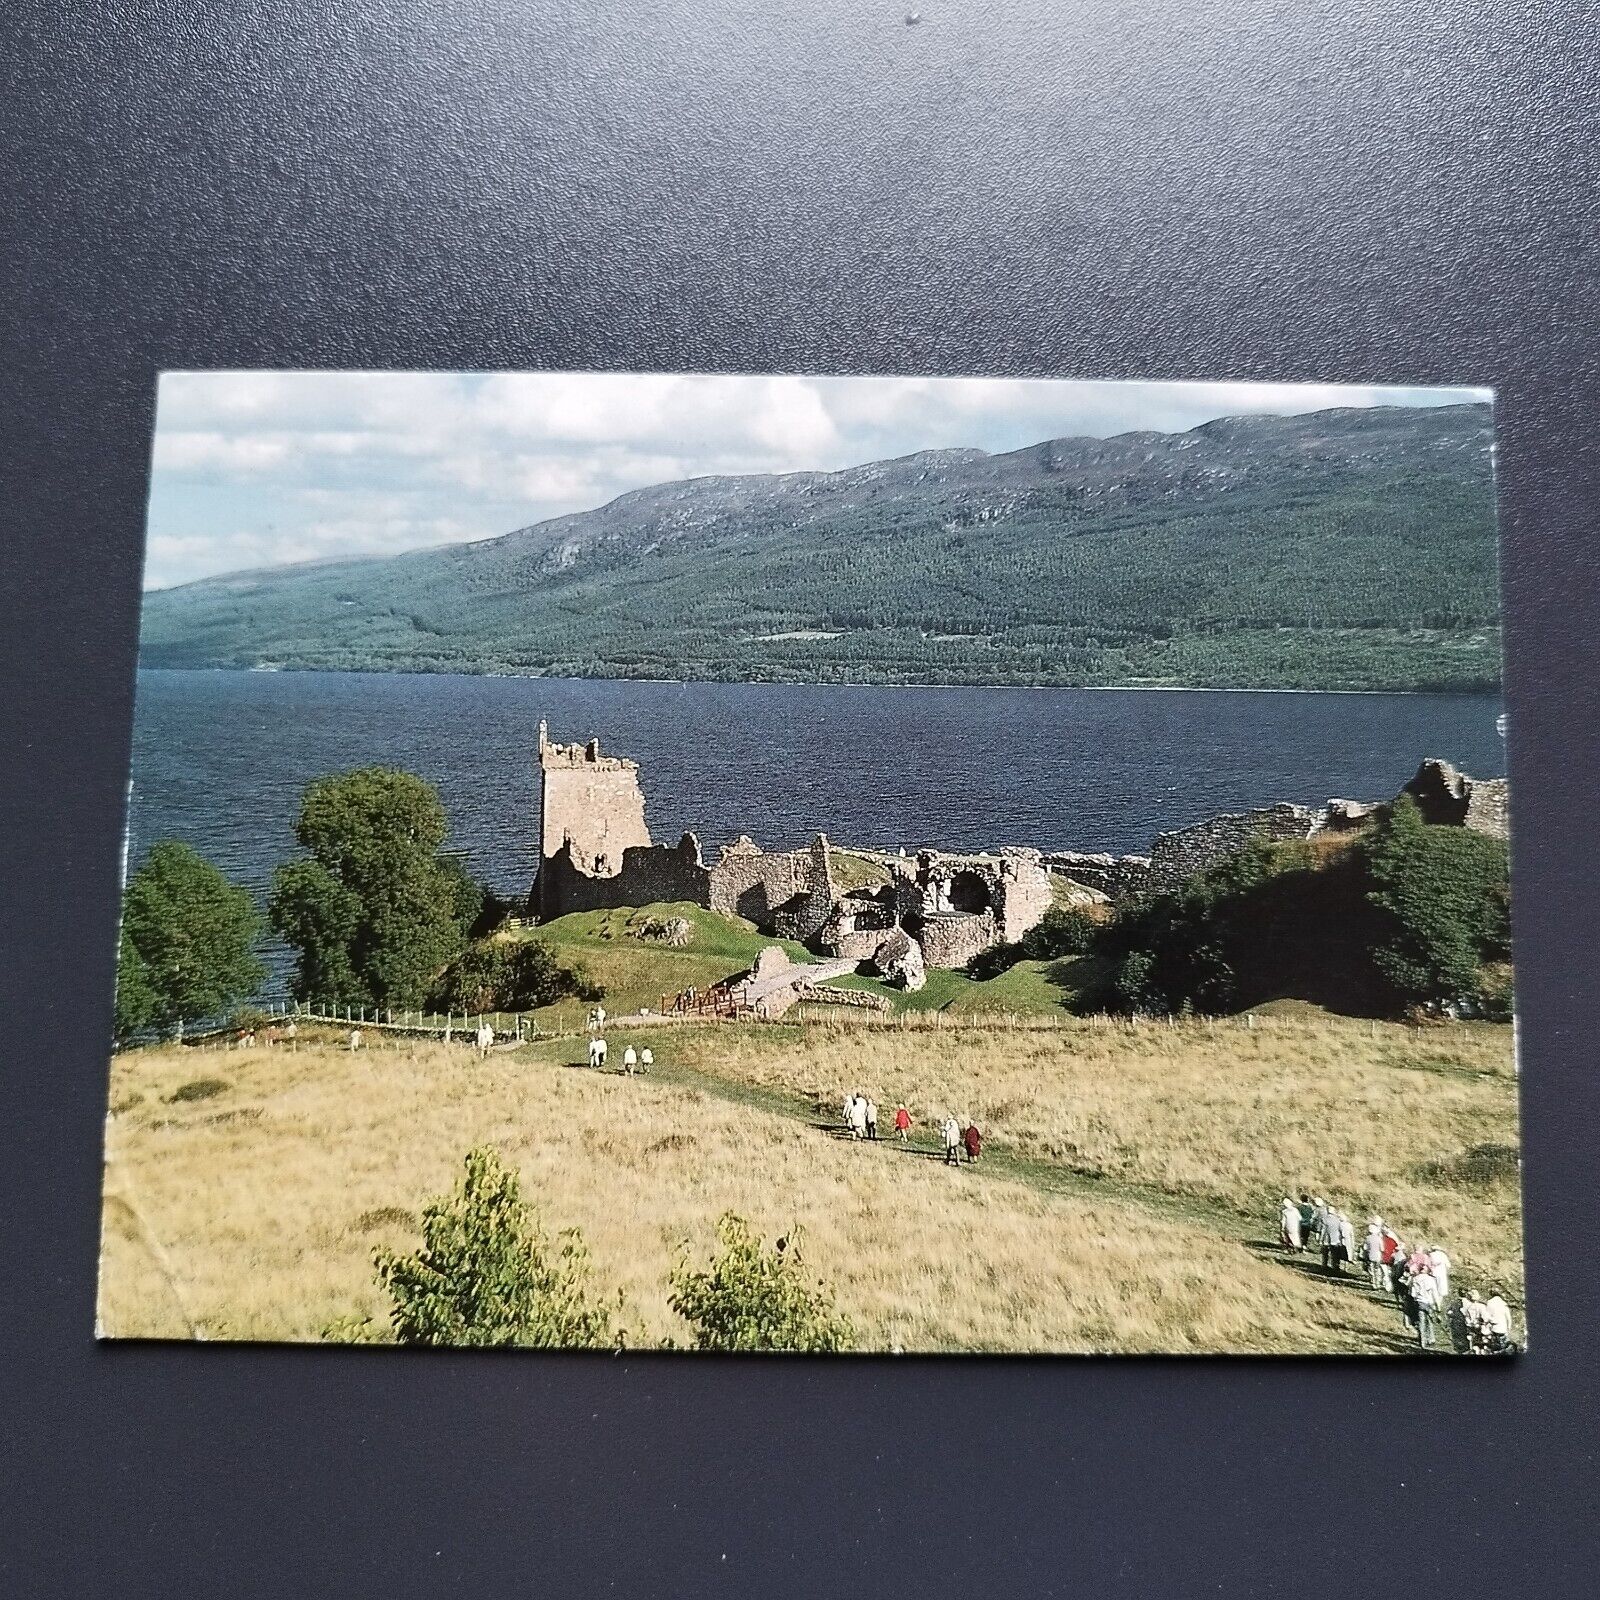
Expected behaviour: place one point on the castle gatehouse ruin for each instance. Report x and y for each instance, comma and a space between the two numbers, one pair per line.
934, 909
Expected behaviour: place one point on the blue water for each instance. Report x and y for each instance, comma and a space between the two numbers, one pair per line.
220, 758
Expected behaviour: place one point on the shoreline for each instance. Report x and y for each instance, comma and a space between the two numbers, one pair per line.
1497, 693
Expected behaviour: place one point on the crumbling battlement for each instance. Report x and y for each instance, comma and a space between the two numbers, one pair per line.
1447, 795
591, 810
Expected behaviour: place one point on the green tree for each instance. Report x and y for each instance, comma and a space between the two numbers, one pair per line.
187, 948
376, 913
136, 1000
753, 1298
1442, 896
487, 1275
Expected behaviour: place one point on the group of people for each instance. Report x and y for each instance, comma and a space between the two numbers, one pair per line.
640, 1060
1417, 1276
245, 1038
861, 1122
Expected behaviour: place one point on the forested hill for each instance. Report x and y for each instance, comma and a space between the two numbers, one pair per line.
1348, 549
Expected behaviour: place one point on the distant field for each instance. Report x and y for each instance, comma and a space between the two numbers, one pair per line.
1124, 1203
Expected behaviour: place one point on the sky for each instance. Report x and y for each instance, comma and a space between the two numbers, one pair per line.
259, 469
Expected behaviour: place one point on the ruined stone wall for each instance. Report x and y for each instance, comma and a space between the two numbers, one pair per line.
648, 874
1116, 877
1489, 807
1022, 893
1447, 796
952, 941
789, 892
1177, 855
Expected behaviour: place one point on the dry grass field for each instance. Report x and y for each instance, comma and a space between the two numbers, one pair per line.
1124, 1202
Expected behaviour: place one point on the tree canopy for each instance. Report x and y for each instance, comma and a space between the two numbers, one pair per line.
376, 913
187, 946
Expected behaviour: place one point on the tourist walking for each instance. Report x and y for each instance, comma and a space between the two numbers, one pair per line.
597, 1052
1440, 1264
858, 1117
973, 1140
1347, 1239
1497, 1324
1308, 1219
1425, 1296
850, 1114
647, 1059
485, 1040
952, 1142
630, 1060
902, 1123
355, 1038
1289, 1224
872, 1120
1372, 1253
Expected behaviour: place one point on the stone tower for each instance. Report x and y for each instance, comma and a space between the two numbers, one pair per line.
589, 804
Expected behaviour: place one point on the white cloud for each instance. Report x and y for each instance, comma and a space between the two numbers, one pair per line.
258, 469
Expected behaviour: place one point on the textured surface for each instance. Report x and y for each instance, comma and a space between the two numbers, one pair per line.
1366, 192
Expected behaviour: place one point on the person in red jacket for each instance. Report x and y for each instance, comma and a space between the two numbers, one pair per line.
973, 1140
902, 1123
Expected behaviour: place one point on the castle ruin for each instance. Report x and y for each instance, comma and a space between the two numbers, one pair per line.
934, 909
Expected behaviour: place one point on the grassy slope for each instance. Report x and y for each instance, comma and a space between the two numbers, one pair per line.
637, 972
1124, 1202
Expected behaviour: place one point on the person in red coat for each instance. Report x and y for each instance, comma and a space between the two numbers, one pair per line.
902, 1123
973, 1140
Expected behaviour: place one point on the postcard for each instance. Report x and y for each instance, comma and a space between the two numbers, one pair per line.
817, 864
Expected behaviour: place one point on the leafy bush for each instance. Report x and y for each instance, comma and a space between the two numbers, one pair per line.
1493, 999
508, 975
1442, 896
996, 959
487, 1275
199, 1089
753, 1298
1061, 931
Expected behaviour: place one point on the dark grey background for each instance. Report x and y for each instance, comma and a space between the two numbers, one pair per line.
1380, 191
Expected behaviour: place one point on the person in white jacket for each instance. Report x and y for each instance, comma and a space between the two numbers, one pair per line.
1497, 1322
1425, 1292
1441, 1265
1289, 1224
952, 1142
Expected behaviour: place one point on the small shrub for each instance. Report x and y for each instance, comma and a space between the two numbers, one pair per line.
507, 975
487, 1275
385, 1217
753, 1298
1484, 1166
1493, 998
199, 1089
1061, 931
